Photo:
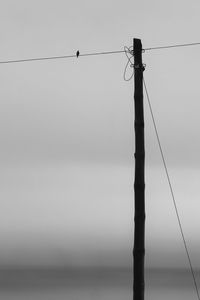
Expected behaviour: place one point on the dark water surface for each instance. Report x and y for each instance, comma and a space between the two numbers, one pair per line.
90, 284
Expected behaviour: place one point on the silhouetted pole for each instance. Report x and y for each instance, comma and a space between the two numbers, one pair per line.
139, 185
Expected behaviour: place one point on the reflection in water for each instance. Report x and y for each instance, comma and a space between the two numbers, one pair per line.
90, 284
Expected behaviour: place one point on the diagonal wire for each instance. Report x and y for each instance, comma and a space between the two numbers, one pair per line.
35, 59
172, 46
59, 57
171, 189
126, 51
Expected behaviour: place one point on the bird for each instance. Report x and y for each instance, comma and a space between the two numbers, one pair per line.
77, 53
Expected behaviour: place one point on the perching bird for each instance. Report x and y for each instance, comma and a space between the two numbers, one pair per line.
77, 54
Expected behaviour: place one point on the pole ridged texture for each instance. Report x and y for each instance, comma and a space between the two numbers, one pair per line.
139, 184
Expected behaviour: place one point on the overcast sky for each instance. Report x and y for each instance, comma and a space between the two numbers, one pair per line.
66, 131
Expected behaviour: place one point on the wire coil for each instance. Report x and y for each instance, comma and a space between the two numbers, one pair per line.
130, 63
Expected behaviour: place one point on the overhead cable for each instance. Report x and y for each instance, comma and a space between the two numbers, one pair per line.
127, 50
58, 57
172, 46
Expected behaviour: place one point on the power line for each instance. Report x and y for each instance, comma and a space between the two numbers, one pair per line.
102, 53
59, 57
171, 189
36, 59
126, 50
172, 46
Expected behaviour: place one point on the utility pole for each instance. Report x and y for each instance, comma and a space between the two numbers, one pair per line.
139, 184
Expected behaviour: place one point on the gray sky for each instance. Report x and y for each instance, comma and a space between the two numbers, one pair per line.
66, 131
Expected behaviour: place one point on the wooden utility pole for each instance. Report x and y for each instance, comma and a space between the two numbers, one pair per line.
139, 184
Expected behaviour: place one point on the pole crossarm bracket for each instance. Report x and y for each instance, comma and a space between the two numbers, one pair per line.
139, 66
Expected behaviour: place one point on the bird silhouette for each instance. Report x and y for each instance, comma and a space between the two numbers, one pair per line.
77, 54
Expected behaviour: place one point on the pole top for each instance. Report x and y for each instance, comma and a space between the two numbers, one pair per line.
137, 52
137, 45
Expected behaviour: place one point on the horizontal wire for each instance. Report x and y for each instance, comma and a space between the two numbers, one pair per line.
102, 53
90, 54
172, 46
59, 57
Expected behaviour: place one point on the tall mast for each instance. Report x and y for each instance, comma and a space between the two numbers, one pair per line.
139, 184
